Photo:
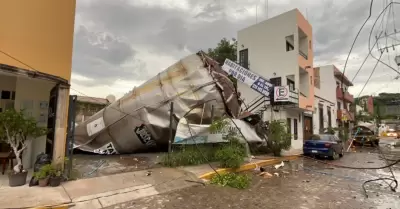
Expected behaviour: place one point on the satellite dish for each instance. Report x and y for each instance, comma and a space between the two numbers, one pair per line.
110, 98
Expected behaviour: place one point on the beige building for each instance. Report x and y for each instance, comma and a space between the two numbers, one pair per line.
35, 68
280, 49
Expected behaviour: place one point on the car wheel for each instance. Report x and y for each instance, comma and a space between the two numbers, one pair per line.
335, 155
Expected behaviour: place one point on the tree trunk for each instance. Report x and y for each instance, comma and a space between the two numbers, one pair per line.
18, 167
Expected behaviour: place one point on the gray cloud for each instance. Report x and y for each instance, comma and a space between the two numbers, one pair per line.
170, 31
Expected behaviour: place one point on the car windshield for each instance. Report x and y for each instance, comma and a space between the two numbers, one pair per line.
321, 137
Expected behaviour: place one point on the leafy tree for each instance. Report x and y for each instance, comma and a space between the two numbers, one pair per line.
278, 137
225, 49
17, 130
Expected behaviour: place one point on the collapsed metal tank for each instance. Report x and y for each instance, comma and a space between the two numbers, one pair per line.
140, 120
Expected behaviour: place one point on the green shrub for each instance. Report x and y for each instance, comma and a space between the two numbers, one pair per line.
189, 155
44, 172
231, 155
235, 180
278, 137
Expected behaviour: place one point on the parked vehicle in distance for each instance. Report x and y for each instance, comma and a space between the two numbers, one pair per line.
324, 145
391, 133
364, 135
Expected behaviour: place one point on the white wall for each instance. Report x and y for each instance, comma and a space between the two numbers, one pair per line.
326, 96
7, 83
316, 120
292, 114
29, 94
327, 88
267, 50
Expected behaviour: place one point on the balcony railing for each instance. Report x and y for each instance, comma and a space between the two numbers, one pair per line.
347, 96
303, 55
344, 114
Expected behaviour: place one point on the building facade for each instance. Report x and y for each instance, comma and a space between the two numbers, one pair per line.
35, 68
280, 49
88, 106
345, 101
325, 110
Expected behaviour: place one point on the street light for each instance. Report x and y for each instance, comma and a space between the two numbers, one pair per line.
397, 60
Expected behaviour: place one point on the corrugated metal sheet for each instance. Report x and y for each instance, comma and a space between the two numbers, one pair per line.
140, 119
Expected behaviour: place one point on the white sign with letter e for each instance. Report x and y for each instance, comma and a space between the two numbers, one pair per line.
281, 94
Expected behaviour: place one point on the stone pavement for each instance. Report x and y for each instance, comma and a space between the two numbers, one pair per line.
99, 192
303, 184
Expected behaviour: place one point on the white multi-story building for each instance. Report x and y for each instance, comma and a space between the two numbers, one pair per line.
325, 99
280, 49
332, 107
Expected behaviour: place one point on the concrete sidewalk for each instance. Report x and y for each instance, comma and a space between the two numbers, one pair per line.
98, 192
105, 191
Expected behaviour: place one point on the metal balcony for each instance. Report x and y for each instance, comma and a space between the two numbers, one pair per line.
347, 96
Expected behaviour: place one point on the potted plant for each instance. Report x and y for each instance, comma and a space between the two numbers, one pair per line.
17, 130
43, 175
56, 176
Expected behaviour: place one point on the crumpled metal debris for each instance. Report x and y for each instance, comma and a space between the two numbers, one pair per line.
140, 120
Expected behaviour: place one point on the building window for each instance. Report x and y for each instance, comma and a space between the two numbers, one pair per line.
13, 95
339, 106
310, 79
321, 118
329, 117
289, 125
309, 43
295, 129
289, 47
290, 83
244, 58
276, 81
289, 43
317, 81
5, 94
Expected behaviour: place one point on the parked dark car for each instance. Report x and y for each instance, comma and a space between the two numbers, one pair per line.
324, 145
364, 135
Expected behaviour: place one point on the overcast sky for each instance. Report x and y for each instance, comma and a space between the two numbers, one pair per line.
119, 44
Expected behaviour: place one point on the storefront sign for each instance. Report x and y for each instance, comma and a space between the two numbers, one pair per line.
254, 81
281, 94
284, 94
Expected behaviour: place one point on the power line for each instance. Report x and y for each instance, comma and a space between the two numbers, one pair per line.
355, 39
370, 34
373, 70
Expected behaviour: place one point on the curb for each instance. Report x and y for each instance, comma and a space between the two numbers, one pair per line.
63, 206
249, 166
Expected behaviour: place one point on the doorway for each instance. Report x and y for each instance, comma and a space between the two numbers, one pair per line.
308, 128
51, 121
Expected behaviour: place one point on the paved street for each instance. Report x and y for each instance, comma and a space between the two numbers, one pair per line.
304, 184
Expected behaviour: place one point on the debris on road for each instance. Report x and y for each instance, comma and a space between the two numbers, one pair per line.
266, 175
279, 165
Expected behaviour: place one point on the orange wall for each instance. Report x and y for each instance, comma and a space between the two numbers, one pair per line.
305, 26
39, 33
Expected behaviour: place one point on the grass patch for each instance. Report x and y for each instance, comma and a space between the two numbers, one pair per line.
230, 155
235, 180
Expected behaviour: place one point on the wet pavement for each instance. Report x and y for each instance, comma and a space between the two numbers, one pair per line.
305, 183
89, 165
